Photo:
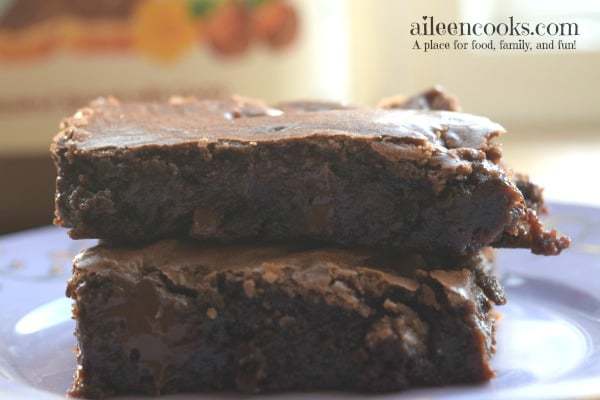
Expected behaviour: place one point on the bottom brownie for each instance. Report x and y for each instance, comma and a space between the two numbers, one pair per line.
176, 317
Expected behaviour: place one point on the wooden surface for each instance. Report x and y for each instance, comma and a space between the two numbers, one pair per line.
26, 191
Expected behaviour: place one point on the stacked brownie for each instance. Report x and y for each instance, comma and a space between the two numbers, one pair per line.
302, 246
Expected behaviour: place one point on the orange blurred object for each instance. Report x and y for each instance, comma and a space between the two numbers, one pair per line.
228, 29
163, 29
35, 42
275, 22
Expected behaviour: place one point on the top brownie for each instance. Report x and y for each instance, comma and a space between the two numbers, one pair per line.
238, 170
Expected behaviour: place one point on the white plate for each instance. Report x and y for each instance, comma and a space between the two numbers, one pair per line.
548, 340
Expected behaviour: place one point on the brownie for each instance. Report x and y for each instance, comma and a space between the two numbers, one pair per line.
435, 98
176, 316
238, 170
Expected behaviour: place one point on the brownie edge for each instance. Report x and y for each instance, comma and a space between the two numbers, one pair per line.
176, 317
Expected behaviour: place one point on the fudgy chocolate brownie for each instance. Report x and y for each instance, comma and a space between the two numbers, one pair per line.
436, 98
236, 169
180, 317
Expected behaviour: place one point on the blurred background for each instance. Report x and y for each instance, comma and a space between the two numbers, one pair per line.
56, 55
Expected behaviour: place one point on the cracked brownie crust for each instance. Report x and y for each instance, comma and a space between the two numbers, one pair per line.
237, 169
179, 317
